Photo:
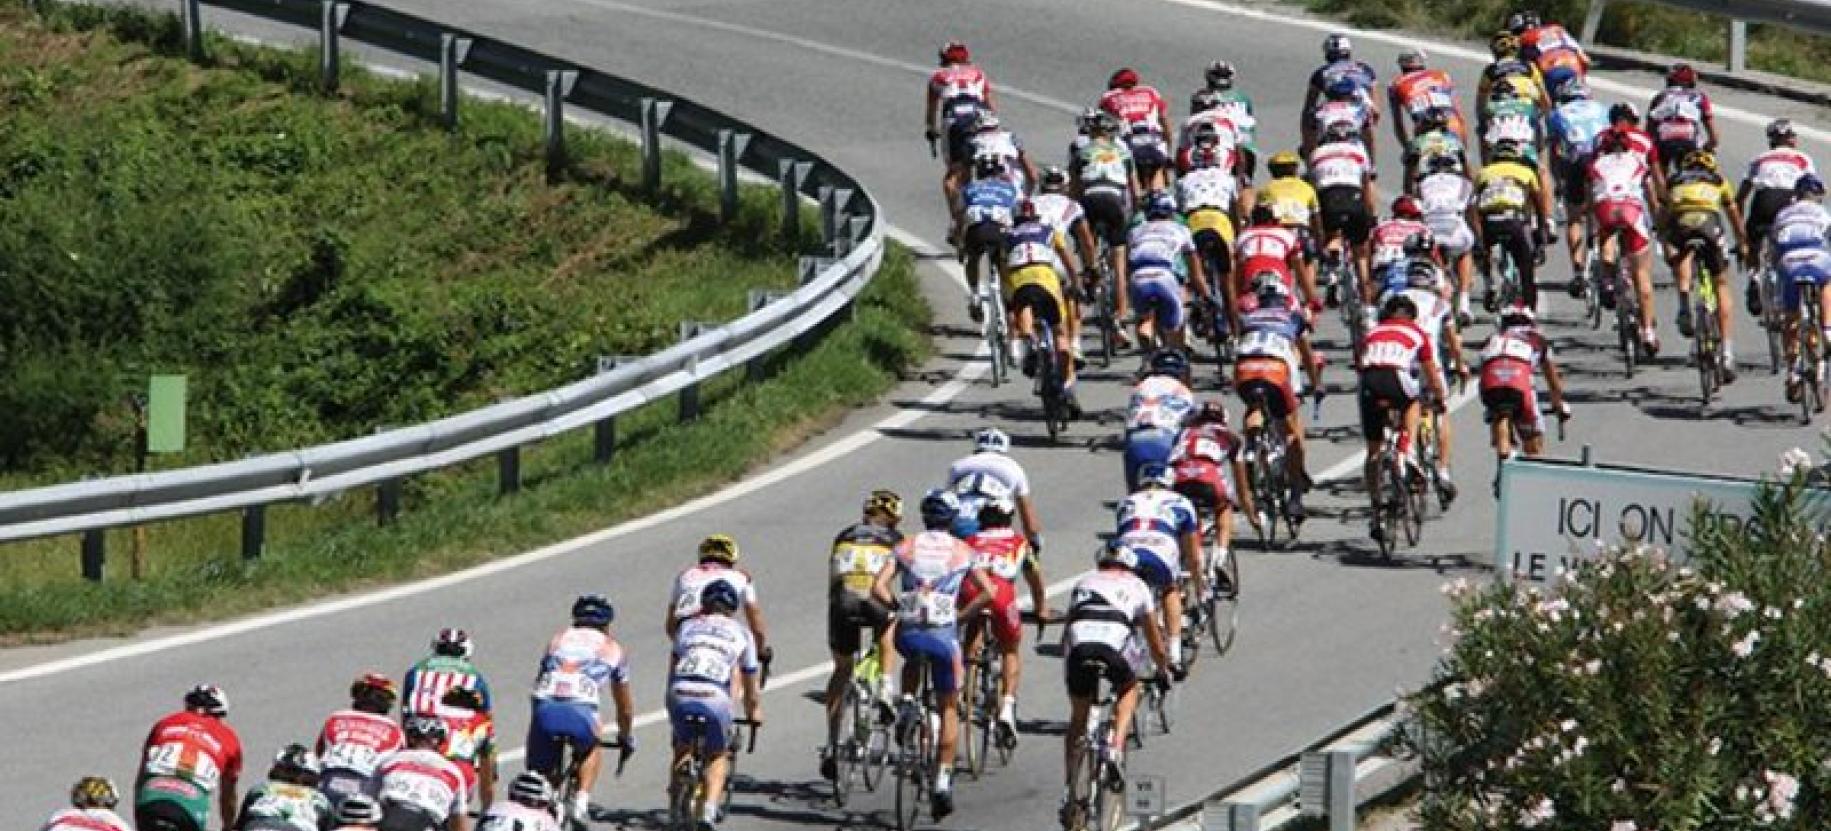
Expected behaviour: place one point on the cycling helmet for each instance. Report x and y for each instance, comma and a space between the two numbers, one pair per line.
1445, 163
1116, 553
1088, 120
1399, 305
424, 729
1780, 131
1420, 244
1809, 185
1421, 274
1337, 47
1341, 88
1052, 179
1262, 214
1404, 206
1219, 75
1169, 362
595, 610
1211, 410
1507, 150
1516, 23
988, 167
1339, 131
1124, 78
295, 763
531, 789
886, 502
1283, 163
94, 792
1159, 204
997, 510
939, 507
991, 440
375, 689
1623, 112
454, 643
1025, 211
1503, 45
1203, 100
1681, 75
1573, 90
462, 698
358, 809
720, 547
207, 699
719, 597
1701, 160
1156, 473
1518, 314
954, 52
1531, 17
1109, 123
1411, 60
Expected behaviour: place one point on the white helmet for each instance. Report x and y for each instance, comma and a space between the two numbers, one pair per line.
992, 439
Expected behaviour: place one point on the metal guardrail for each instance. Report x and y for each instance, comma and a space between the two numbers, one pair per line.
1806, 15
852, 246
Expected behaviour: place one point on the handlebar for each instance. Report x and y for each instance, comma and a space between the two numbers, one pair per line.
750, 743
625, 751
1042, 621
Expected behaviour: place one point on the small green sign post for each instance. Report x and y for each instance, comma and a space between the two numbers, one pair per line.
165, 414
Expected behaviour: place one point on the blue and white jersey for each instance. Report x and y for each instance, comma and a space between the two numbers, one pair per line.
1801, 226
709, 651
1159, 245
1159, 402
1158, 511
989, 200
579, 664
1575, 126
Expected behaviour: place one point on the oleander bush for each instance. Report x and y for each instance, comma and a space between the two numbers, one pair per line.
1638, 693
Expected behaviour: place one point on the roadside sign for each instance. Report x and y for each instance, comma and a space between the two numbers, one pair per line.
165, 414
1144, 796
1553, 515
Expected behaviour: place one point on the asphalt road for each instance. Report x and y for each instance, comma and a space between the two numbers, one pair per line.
1327, 629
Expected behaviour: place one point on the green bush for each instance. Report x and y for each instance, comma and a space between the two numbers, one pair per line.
1639, 694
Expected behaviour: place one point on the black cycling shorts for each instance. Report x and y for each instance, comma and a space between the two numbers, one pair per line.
849, 613
1085, 664
1107, 214
985, 238
1573, 182
1502, 400
1381, 389
1149, 152
1763, 205
1709, 232
1220, 264
1344, 211
161, 815
398, 817
1672, 153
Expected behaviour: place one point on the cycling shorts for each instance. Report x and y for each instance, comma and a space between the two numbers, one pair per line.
940, 645
703, 715
1706, 228
1159, 563
1107, 214
1810, 266
1453, 234
1149, 152
1573, 183
161, 814
847, 614
986, 238
1382, 389
1269, 377
1146, 446
557, 724
1205, 484
1155, 292
339, 784
1087, 662
1673, 152
1038, 289
398, 817
1557, 76
1345, 212
1763, 206
1506, 389
1631, 218
1006, 620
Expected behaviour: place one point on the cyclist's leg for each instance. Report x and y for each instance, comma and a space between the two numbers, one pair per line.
1007, 633
1373, 431
1519, 246
1575, 185
843, 640
1078, 707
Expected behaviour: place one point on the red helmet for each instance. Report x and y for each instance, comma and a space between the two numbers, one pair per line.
1681, 75
955, 52
1405, 207
1125, 78
1212, 411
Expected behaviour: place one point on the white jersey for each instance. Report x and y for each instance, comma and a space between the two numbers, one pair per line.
1444, 198
1801, 226
709, 651
1159, 403
1106, 607
1779, 168
1158, 512
996, 466
1206, 187
1269, 343
423, 779
1515, 344
1433, 315
1159, 245
1058, 211
689, 583
1339, 164
86, 819
510, 816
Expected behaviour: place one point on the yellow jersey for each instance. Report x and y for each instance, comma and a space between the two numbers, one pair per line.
1505, 187
1698, 194
1291, 199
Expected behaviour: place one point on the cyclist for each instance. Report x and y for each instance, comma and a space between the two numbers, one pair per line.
1416, 92
982, 215
352, 741
189, 757
1507, 66
1770, 180
1343, 174
1003, 556
1215, 129
1208, 193
1211, 473
991, 462
470, 742
1158, 406
717, 560
928, 571
1145, 118
1447, 199
1508, 195
1557, 55
1159, 253
92, 801
1398, 354
1387, 243
1507, 114
448, 666
1698, 197
1338, 64
1802, 252
1274, 350
956, 92
358, 813
1063, 213
1681, 117
714, 656
1429, 293
1112, 621
1236, 107
576, 667
990, 138
1034, 253
529, 807
1433, 139
1161, 527
1270, 245
1574, 127
1105, 179
421, 790
1517, 350
1344, 108
1621, 187
858, 554
289, 800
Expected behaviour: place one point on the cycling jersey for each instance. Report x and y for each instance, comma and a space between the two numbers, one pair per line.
1058, 211
1002, 554
858, 554
429, 680
1339, 164
989, 200
1152, 522
1575, 126
1207, 187
1158, 402
1779, 168
1102, 163
1203, 461
1236, 106
1433, 314
469, 738
1354, 113
1505, 187
86, 819
1292, 200
512, 816
1139, 105
709, 651
993, 466
580, 662
1618, 177
1002, 145
1422, 90
1104, 612
422, 781
1445, 199
1802, 251
279, 806
1513, 119
1388, 241
1522, 75
1678, 115
1508, 361
1159, 245
1698, 193
1556, 54
349, 746
186, 759
959, 81
1400, 345
694, 579
1639, 142
930, 569
1266, 248
1359, 72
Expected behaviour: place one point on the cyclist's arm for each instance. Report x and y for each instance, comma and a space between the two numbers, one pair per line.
1367, 140
1306, 276
1370, 197
1197, 274
985, 592
1033, 577
486, 777
1154, 640
753, 695
1307, 353
1247, 506
1084, 240
1434, 377
1710, 130
931, 102
226, 800
1736, 222
669, 623
1030, 179
626, 709
1554, 380
880, 588
753, 615
1743, 190
1398, 119
990, 102
1026, 513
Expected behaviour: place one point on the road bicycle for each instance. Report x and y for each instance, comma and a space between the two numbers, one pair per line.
1706, 340
564, 777
1105, 319
687, 783
916, 742
1267, 471
1096, 778
864, 742
1588, 272
1501, 279
1773, 317
981, 696
994, 328
1050, 382
1216, 613
1398, 500
1508, 418
1809, 363
1619, 279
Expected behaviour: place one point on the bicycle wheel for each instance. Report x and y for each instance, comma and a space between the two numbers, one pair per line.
1081, 777
1049, 382
1427, 459
683, 792
875, 751
994, 337
1627, 320
974, 728
1704, 347
1224, 603
846, 755
1264, 490
1191, 634
1771, 317
1391, 504
1163, 707
1109, 332
1411, 508
912, 778
1109, 801
994, 692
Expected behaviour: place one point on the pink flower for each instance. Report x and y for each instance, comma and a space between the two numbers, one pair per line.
1746, 646
1541, 811
1781, 791
1623, 825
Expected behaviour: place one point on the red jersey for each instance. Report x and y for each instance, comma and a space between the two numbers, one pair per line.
1618, 177
355, 741
1266, 248
961, 80
1210, 442
201, 750
1397, 344
1420, 90
1001, 552
1139, 104
1388, 241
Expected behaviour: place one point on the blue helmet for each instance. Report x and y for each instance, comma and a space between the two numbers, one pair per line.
1809, 185
719, 597
939, 508
1156, 474
1159, 204
592, 610
1342, 87
1170, 362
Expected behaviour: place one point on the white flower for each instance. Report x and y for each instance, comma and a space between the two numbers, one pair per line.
1623, 824
1781, 790
1567, 725
1580, 745
1594, 665
1732, 605
1619, 786
1746, 647
1773, 613
1716, 744
1541, 811
1792, 461
1457, 587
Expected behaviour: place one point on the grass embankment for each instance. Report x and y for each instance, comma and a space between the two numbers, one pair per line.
1642, 26
520, 285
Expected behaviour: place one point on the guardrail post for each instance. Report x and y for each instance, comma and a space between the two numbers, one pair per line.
689, 394
1593, 20
836, 219
452, 52
330, 21
95, 552
828, 208
654, 114
559, 85
1240, 816
790, 176
190, 14
757, 368
508, 470
1326, 786
387, 502
731, 147
604, 430
1738, 46
254, 531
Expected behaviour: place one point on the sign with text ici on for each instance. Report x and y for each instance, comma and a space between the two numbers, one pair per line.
1553, 514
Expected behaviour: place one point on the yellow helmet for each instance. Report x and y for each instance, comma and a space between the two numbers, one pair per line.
1286, 159
1701, 159
886, 502
719, 547
1504, 44
94, 792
